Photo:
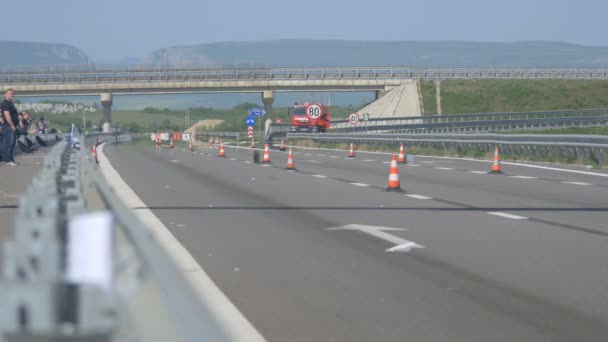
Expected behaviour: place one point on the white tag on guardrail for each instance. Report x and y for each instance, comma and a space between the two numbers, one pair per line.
90, 240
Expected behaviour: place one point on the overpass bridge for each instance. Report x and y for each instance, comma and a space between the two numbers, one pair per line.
106, 81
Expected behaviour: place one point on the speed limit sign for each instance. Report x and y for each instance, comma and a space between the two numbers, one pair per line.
353, 119
313, 111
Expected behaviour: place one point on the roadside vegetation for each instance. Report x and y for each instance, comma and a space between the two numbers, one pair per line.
484, 96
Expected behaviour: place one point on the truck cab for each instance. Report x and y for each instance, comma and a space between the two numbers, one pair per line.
309, 117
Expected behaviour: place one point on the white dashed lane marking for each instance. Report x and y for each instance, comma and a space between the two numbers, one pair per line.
418, 197
509, 216
478, 172
523, 177
360, 184
577, 183
320, 176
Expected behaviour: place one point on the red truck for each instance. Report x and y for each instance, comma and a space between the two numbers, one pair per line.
309, 117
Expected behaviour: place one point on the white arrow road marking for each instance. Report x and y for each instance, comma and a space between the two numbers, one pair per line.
401, 244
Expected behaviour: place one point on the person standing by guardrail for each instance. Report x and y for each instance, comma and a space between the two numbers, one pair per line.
9, 128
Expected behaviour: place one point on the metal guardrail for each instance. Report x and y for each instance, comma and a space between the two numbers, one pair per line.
465, 123
150, 299
114, 74
428, 119
235, 135
592, 147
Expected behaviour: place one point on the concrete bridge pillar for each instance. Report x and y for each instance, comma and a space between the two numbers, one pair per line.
106, 104
268, 99
380, 93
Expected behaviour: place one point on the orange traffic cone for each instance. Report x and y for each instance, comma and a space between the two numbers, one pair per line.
496, 167
290, 163
402, 158
94, 154
393, 176
282, 147
190, 148
266, 159
171, 143
351, 153
221, 153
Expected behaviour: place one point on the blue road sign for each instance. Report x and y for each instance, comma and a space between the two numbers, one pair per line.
256, 112
250, 121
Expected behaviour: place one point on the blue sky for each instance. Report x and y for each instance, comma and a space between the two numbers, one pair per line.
110, 30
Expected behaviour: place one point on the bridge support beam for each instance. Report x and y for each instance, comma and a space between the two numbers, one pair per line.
106, 104
268, 99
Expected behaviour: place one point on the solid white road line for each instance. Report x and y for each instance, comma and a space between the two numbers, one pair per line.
447, 158
419, 197
509, 216
227, 314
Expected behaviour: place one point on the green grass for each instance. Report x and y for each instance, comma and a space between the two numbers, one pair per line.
480, 96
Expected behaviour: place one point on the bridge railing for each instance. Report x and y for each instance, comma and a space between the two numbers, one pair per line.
53, 75
46, 293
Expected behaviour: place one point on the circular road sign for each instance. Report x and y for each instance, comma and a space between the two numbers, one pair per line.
313, 111
250, 121
353, 119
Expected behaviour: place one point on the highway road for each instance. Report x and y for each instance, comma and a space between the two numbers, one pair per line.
321, 254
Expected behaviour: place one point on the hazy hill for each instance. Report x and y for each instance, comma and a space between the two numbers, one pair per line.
27, 53
366, 53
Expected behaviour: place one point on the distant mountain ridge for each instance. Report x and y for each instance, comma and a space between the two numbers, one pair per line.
290, 52
31, 53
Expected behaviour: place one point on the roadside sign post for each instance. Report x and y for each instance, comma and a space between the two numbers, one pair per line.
353, 119
257, 112
366, 119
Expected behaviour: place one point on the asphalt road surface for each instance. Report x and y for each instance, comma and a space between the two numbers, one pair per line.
520, 256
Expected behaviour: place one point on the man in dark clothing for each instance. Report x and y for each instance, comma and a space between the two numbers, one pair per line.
9, 127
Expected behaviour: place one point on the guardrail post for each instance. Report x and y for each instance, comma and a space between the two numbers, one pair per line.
37, 300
